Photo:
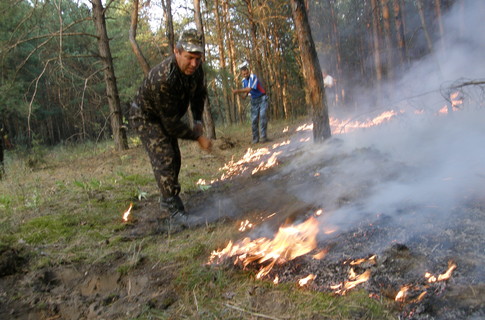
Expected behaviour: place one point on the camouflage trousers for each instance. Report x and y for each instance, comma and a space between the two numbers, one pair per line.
163, 151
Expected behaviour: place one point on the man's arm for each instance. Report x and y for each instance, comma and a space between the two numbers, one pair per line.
244, 91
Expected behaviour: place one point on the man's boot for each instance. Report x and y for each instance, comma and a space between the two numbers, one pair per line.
174, 208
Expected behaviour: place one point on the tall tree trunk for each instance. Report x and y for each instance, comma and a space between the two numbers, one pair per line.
376, 49
167, 9
207, 115
256, 61
232, 58
399, 27
387, 39
132, 36
222, 63
336, 41
311, 72
119, 134
437, 5
423, 24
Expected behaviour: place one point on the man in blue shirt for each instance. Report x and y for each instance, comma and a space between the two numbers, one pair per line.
259, 103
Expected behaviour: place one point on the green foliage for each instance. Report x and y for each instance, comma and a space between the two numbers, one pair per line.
49, 229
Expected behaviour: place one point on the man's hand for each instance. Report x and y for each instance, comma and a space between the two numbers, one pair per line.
205, 143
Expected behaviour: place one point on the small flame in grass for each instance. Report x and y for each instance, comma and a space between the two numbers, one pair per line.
245, 225
405, 292
321, 254
371, 260
268, 164
127, 213
401, 295
276, 279
289, 243
306, 280
354, 280
442, 277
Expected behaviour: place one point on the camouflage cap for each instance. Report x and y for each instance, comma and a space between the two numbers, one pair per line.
191, 41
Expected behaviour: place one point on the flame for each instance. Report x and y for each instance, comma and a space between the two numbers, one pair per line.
442, 277
345, 286
404, 293
127, 212
401, 295
306, 280
289, 243
371, 260
245, 225
270, 163
321, 254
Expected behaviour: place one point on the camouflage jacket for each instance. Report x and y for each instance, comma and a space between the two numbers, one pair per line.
165, 96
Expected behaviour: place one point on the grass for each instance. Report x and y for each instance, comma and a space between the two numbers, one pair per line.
67, 209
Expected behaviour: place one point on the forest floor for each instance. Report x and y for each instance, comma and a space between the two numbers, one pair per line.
65, 252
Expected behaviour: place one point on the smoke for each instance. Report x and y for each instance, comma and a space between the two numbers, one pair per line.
420, 166
414, 170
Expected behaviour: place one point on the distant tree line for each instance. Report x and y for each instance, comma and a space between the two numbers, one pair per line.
55, 75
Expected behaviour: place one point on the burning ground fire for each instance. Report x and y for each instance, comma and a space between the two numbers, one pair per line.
289, 243
407, 293
261, 159
293, 241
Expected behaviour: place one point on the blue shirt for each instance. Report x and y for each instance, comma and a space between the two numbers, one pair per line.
253, 83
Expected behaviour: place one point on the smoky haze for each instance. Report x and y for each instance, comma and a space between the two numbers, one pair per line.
422, 165
415, 170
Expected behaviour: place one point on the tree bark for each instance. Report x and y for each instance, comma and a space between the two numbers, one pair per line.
132, 36
119, 133
437, 4
232, 58
230, 116
311, 72
424, 25
207, 115
167, 9
387, 39
399, 27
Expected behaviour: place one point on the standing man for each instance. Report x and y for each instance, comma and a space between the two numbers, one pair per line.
156, 114
259, 103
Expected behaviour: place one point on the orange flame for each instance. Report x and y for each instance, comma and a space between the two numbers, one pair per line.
245, 225
306, 280
320, 255
371, 260
289, 243
401, 295
127, 213
442, 277
345, 286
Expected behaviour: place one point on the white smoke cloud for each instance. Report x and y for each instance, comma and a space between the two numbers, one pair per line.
419, 167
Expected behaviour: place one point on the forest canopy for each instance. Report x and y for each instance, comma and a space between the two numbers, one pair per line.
54, 91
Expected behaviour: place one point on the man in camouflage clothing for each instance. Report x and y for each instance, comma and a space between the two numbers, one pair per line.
156, 114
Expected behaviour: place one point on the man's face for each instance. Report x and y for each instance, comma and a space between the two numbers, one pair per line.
245, 73
188, 62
